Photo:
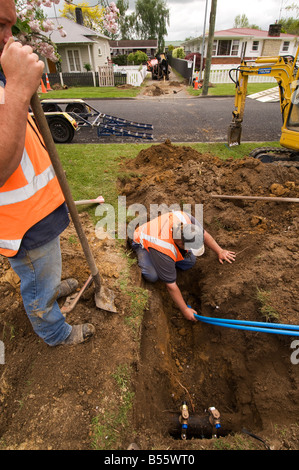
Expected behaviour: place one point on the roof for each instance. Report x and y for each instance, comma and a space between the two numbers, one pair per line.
173, 43
245, 32
250, 32
75, 33
126, 43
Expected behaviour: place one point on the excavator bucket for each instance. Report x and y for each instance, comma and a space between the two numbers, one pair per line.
234, 133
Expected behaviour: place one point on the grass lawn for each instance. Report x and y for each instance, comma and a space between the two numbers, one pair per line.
220, 89
93, 169
92, 93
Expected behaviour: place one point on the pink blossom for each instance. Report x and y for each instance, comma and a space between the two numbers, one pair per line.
26, 10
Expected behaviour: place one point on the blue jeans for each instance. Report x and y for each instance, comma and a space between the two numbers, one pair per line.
40, 274
147, 267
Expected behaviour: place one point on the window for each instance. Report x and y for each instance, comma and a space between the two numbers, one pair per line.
226, 47
99, 52
235, 47
255, 45
214, 47
285, 46
73, 57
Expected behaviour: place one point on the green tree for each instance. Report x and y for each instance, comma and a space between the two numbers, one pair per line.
241, 21
152, 18
137, 58
290, 25
178, 53
126, 22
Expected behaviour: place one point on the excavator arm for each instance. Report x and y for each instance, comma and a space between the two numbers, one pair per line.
282, 68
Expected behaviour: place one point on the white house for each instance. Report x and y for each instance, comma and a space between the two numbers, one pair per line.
232, 44
126, 46
80, 46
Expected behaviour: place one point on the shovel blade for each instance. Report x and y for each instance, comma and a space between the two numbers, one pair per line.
234, 134
104, 300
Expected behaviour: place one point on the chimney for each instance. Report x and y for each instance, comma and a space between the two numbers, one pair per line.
79, 16
274, 30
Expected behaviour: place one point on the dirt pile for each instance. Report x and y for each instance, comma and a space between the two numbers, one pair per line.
163, 88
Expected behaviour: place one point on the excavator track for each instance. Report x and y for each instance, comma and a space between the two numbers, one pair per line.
276, 155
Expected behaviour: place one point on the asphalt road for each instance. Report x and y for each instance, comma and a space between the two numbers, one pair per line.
188, 119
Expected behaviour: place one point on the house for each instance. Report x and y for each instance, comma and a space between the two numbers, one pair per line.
126, 46
232, 44
79, 47
174, 44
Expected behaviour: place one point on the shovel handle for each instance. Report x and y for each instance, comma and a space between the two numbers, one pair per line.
42, 124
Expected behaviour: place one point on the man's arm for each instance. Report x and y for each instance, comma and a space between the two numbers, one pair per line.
23, 70
176, 295
223, 255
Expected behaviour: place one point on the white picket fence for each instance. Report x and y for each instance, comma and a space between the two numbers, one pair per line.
220, 74
106, 75
135, 73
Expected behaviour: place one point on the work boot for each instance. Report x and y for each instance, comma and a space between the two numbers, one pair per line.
80, 334
67, 287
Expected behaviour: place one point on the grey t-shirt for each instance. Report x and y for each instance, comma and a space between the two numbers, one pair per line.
164, 265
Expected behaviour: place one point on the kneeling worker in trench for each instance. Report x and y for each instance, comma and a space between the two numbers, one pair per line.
170, 241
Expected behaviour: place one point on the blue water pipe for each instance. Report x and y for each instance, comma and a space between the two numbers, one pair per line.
263, 327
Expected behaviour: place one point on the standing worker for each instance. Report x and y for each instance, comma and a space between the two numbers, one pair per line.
33, 212
173, 240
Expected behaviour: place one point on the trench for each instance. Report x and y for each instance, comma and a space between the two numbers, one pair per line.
247, 376
240, 374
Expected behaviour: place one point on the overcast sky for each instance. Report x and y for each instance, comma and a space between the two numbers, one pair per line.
187, 16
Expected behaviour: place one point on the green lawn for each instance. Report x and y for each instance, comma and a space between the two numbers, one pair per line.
221, 89
92, 93
93, 169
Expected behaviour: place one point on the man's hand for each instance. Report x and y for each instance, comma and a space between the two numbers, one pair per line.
22, 68
177, 297
225, 255
189, 314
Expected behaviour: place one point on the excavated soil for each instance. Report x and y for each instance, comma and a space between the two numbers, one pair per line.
49, 397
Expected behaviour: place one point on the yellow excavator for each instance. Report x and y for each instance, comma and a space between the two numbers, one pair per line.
285, 70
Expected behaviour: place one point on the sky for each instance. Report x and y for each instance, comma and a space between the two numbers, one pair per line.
187, 16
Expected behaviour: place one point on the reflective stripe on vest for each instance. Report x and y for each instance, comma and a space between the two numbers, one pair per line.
180, 216
13, 245
36, 182
158, 242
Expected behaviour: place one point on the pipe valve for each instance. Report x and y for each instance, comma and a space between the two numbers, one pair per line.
184, 420
214, 417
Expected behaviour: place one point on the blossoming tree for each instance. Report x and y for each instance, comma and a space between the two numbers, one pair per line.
32, 24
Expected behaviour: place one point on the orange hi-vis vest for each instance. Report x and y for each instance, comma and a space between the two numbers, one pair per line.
31, 193
157, 234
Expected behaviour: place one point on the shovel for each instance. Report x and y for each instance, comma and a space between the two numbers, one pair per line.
234, 133
98, 200
104, 298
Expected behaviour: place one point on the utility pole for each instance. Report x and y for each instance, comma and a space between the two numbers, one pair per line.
203, 42
210, 48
